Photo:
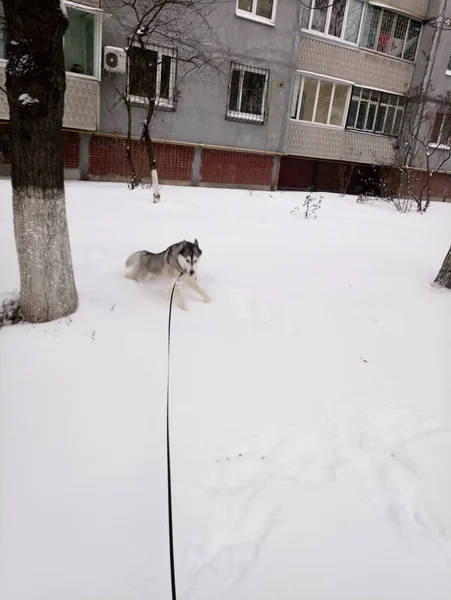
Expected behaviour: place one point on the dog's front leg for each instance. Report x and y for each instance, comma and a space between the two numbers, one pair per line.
179, 299
195, 286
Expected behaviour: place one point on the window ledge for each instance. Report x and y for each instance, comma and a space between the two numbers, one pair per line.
329, 39
439, 146
322, 125
243, 14
82, 76
387, 136
448, 72
234, 115
404, 61
159, 104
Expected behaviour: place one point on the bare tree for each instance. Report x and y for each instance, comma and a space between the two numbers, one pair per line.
345, 171
423, 147
444, 275
183, 28
35, 84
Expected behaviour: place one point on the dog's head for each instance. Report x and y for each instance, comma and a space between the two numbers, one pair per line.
189, 257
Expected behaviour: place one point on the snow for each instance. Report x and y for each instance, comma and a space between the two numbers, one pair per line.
27, 99
310, 415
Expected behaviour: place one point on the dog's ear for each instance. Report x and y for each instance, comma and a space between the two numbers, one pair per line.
196, 243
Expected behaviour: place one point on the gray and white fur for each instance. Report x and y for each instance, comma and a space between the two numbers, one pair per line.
179, 259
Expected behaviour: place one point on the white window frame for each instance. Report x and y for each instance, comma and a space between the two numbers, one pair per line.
439, 144
237, 114
383, 8
297, 94
378, 104
97, 12
168, 103
327, 23
252, 15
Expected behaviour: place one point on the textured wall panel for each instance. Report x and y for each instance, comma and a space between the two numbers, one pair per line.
362, 67
417, 8
4, 110
81, 102
337, 144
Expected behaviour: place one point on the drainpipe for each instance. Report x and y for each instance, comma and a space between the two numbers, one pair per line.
273, 85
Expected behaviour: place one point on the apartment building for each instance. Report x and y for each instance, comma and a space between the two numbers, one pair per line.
310, 89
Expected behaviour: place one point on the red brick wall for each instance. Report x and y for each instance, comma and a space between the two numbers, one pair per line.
71, 150
231, 167
107, 157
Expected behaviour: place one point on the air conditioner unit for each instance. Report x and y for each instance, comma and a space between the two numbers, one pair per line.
114, 59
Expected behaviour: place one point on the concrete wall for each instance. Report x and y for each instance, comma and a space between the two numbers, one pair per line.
200, 113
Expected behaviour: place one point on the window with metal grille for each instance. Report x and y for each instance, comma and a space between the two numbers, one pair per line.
319, 101
391, 33
151, 75
339, 19
375, 112
261, 9
441, 130
247, 94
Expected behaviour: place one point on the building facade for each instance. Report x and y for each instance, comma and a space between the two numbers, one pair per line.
309, 93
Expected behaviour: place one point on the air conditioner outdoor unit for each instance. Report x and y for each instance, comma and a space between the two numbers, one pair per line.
114, 59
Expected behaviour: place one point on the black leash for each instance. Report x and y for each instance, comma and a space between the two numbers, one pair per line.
168, 451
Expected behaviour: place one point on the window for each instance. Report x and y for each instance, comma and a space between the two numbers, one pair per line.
264, 10
441, 130
339, 19
151, 74
319, 101
247, 94
375, 112
2, 32
391, 33
80, 42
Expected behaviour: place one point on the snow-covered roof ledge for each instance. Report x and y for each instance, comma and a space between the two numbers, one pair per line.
92, 4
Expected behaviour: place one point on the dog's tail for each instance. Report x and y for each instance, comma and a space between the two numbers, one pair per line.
133, 258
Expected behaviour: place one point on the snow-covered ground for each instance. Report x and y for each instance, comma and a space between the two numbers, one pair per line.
311, 406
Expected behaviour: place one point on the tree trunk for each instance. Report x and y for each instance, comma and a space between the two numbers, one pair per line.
444, 275
35, 84
152, 162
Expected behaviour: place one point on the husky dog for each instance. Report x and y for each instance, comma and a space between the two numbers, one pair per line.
179, 260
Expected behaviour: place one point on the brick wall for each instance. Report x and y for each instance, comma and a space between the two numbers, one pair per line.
71, 147
107, 156
235, 168
71, 150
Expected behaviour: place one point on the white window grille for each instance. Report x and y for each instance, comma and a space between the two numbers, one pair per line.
152, 75
248, 90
